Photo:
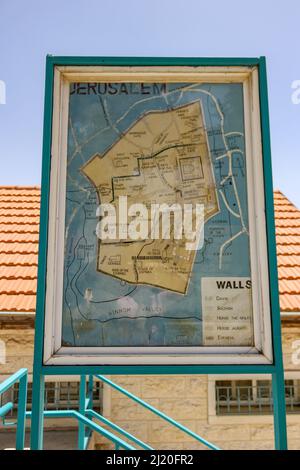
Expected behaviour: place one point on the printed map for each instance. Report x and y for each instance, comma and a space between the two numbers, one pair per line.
157, 143
163, 158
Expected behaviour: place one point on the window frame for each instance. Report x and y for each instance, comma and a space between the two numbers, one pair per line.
263, 418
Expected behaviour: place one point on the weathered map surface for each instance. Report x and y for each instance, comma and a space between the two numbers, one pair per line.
163, 158
157, 143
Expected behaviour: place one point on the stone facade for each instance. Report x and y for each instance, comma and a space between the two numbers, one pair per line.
17, 338
187, 399
17, 341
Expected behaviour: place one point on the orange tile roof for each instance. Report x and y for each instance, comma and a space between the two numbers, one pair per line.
287, 220
19, 226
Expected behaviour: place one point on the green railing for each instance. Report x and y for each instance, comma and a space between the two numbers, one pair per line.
158, 413
19, 377
86, 415
58, 395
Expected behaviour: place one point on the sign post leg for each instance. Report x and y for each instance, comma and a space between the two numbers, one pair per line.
82, 405
37, 416
21, 420
278, 390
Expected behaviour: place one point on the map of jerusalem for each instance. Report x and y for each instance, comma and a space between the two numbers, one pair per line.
162, 158
166, 145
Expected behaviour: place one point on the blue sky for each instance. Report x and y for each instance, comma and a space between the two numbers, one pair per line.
30, 29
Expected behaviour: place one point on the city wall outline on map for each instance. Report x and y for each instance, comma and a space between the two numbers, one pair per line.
162, 158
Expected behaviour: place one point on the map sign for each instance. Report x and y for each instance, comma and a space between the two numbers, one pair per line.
167, 146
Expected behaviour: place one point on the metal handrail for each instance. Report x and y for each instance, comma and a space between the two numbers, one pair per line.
86, 422
86, 414
157, 412
94, 414
5, 409
86, 409
22, 377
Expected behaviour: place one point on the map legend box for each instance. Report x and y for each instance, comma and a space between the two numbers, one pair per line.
227, 311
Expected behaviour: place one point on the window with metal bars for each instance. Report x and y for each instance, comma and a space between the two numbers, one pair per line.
253, 397
58, 396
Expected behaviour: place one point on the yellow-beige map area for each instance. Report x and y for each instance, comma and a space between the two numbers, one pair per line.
163, 158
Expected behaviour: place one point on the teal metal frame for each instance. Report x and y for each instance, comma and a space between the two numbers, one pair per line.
86, 415
40, 370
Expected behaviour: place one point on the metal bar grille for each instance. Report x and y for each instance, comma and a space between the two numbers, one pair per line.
58, 396
253, 397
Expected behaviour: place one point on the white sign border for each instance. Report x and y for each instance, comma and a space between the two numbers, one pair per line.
54, 353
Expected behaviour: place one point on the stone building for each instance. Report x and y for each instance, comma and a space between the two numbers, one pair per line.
234, 412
